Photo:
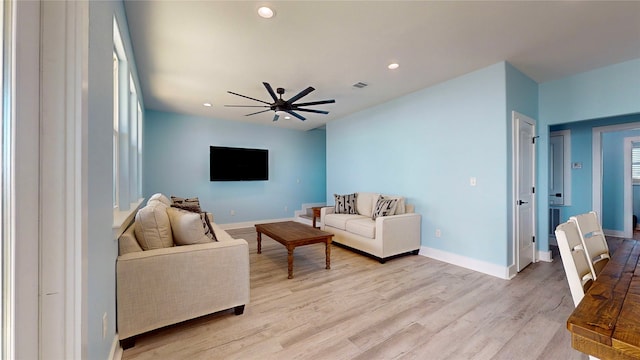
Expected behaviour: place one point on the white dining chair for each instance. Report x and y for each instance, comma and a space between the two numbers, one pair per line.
594, 241
574, 260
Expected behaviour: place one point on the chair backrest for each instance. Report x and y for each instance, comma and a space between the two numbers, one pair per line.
574, 260
593, 239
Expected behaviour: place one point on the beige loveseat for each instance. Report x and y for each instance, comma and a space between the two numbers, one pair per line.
383, 238
167, 285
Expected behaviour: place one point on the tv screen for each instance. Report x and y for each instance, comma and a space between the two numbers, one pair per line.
238, 164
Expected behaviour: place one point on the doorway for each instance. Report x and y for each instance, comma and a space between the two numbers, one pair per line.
597, 178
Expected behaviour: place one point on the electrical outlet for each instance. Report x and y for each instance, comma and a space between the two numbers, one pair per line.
472, 181
438, 233
232, 212
105, 323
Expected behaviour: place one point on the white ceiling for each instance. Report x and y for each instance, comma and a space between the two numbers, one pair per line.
192, 52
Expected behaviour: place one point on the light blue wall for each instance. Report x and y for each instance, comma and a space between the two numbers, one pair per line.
605, 92
176, 162
102, 248
426, 146
522, 96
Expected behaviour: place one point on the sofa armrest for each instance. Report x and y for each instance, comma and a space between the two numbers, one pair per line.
323, 212
400, 233
160, 287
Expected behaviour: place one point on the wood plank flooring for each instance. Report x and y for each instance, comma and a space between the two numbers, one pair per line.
409, 308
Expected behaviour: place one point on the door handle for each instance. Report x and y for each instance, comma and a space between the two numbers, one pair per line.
520, 202
556, 195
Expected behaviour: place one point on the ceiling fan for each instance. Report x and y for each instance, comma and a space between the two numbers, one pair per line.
280, 105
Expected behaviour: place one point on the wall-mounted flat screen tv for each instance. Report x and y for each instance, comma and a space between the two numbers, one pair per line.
238, 164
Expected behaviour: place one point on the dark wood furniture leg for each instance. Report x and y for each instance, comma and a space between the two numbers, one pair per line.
290, 260
327, 250
238, 310
259, 242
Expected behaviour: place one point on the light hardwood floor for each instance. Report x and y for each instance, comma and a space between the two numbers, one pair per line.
409, 308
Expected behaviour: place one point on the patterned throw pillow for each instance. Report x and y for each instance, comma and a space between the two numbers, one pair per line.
384, 207
208, 230
189, 204
345, 204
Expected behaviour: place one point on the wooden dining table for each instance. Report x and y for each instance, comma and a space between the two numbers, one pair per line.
606, 323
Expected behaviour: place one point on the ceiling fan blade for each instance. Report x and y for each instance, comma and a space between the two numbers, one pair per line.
302, 93
270, 90
258, 112
317, 102
264, 102
296, 115
276, 117
311, 111
262, 106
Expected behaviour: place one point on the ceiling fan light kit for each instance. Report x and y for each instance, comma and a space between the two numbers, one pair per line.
281, 106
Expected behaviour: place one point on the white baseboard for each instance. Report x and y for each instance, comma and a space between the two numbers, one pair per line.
498, 271
247, 224
116, 349
545, 256
614, 233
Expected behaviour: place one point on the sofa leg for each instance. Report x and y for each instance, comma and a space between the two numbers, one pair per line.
239, 310
382, 260
128, 343
416, 252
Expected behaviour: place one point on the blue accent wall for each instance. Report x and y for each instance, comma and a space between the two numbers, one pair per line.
606, 92
426, 146
176, 162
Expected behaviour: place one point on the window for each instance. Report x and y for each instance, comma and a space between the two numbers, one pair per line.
116, 121
127, 116
635, 163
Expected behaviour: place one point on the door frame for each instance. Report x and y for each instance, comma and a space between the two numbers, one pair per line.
628, 186
597, 173
515, 117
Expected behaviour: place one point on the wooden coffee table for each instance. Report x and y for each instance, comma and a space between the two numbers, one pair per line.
292, 234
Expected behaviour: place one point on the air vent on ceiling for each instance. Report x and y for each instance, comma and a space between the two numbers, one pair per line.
359, 85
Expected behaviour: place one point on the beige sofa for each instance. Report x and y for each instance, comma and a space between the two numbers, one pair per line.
383, 238
164, 286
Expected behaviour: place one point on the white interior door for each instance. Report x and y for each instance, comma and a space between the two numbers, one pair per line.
525, 209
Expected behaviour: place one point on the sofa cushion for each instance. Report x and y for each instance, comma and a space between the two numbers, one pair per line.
345, 204
400, 207
187, 227
366, 202
384, 207
362, 226
339, 221
152, 227
159, 197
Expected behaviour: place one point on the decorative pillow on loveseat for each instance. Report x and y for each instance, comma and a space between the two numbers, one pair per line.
152, 227
187, 227
384, 207
345, 204
189, 204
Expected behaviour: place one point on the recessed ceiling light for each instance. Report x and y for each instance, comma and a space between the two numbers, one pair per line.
266, 12
287, 117
393, 66
207, 104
